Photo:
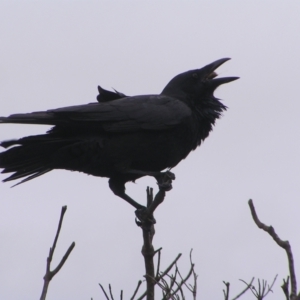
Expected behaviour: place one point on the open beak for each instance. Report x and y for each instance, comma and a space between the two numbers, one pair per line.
211, 74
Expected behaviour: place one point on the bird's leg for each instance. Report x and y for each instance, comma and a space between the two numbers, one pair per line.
144, 214
164, 179
146, 218
164, 182
118, 188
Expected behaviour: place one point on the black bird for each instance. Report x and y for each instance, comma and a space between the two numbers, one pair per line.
120, 137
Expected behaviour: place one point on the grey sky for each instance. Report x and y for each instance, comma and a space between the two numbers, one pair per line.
55, 53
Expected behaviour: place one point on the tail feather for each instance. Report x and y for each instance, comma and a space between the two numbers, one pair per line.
31, 177
30, 157
21, 165
23, 173
39, 117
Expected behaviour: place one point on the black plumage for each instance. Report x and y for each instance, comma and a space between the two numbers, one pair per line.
105, 95
120, 137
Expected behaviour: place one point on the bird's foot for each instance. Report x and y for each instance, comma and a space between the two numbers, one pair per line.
164, 180
144, 219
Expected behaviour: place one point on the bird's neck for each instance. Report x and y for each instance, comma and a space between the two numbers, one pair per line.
205, 116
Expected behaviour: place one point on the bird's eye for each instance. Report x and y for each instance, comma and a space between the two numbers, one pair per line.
195, 75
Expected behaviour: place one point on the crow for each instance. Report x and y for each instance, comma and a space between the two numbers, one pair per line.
120, 137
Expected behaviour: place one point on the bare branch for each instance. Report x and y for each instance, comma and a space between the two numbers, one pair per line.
136, 290
184, 280
181, 291
50, 274
283, 244
285, 288
249, 286
63, 260
271, 286
262, 291
194, 287
158, 250
226, 292
169, 267
110, 292
173, 280
164, 285
103, 290
149, 196
158, 261
159, 198
160, 277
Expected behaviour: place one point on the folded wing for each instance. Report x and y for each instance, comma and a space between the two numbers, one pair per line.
150, 112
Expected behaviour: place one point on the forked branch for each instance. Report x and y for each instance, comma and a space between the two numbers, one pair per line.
50, 274
286, 246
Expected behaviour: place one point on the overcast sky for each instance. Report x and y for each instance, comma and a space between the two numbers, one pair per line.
55, 53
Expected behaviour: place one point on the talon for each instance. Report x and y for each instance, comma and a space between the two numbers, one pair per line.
138, 223
143, 218
141, 213
165, 186
170, 175
164, 181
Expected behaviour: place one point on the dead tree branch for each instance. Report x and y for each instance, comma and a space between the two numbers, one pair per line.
285, 288
136, 290
104, 292
263, 288
249, 286
50, 274
226, 292
283, 244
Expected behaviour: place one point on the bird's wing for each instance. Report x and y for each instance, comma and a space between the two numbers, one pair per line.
130, 114
149, 112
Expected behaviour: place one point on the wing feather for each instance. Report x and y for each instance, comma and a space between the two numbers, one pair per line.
131, 114
149, 112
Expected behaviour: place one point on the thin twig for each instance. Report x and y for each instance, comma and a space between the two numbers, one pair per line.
63, 260
191, 288
249, 286
158, 262
283, 244
226, 292
169, 267
50, 274
110, 292
194, 291
62, 213
163, 284
271, 286
172, 282
181, 291
158, 250
103, 290
136, 290
184, 280
161, 275
285, 288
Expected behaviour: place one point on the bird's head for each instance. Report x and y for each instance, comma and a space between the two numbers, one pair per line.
198, 84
